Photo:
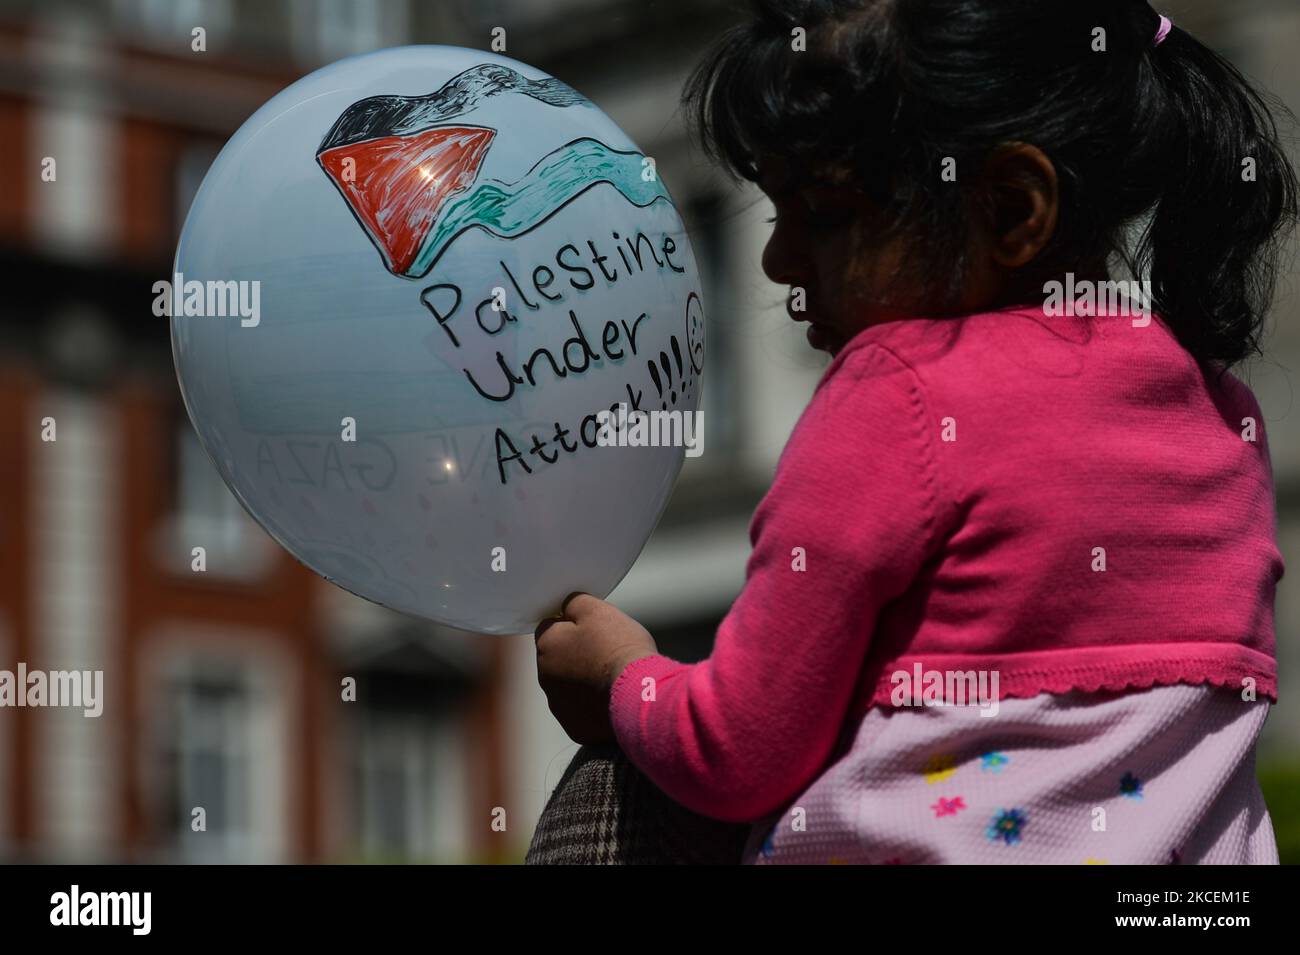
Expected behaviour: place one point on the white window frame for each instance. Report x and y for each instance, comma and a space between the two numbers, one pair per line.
181, 652
235, 547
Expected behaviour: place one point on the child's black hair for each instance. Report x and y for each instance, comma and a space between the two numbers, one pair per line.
1164, 136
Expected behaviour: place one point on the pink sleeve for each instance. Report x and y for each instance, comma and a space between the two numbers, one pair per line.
739, 735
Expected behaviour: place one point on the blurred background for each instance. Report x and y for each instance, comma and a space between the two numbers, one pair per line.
222, 689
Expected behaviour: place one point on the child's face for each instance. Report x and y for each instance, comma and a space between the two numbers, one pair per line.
833, 242
822, 243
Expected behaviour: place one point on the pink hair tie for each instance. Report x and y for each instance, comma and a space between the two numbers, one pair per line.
1163, 31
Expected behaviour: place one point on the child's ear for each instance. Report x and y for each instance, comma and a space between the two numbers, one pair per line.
1021, 195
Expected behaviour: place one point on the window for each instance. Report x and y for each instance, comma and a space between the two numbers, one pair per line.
325, 30
207, 513
220, 723
530, 13
393, 785
207, 763
163, 20
194, 162
204, 513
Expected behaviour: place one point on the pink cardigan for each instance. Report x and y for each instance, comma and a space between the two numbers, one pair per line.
1070, 502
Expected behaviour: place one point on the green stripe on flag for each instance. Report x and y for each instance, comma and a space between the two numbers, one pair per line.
509, 209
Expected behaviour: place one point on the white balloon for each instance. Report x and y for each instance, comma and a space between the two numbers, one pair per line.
469, 261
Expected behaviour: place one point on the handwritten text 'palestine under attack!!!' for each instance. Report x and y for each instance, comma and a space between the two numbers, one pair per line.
574, 268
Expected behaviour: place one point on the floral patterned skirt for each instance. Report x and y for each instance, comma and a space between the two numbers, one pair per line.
1158, 776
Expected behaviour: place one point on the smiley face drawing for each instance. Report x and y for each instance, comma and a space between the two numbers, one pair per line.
695, 332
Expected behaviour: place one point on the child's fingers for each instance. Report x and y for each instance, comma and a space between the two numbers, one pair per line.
547, 622
579, 605
553, 630
575, 607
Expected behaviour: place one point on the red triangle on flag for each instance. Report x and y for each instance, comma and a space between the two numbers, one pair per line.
396, 184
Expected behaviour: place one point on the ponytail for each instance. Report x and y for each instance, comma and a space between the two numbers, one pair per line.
1226, 202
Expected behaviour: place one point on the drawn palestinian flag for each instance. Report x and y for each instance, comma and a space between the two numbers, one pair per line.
411, 177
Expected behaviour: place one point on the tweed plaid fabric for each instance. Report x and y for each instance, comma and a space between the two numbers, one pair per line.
605, 812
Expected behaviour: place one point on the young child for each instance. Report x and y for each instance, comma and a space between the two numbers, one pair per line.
1070, 510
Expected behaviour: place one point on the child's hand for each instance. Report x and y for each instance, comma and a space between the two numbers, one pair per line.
579, 655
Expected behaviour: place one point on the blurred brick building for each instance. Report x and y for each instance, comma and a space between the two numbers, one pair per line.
222, 687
